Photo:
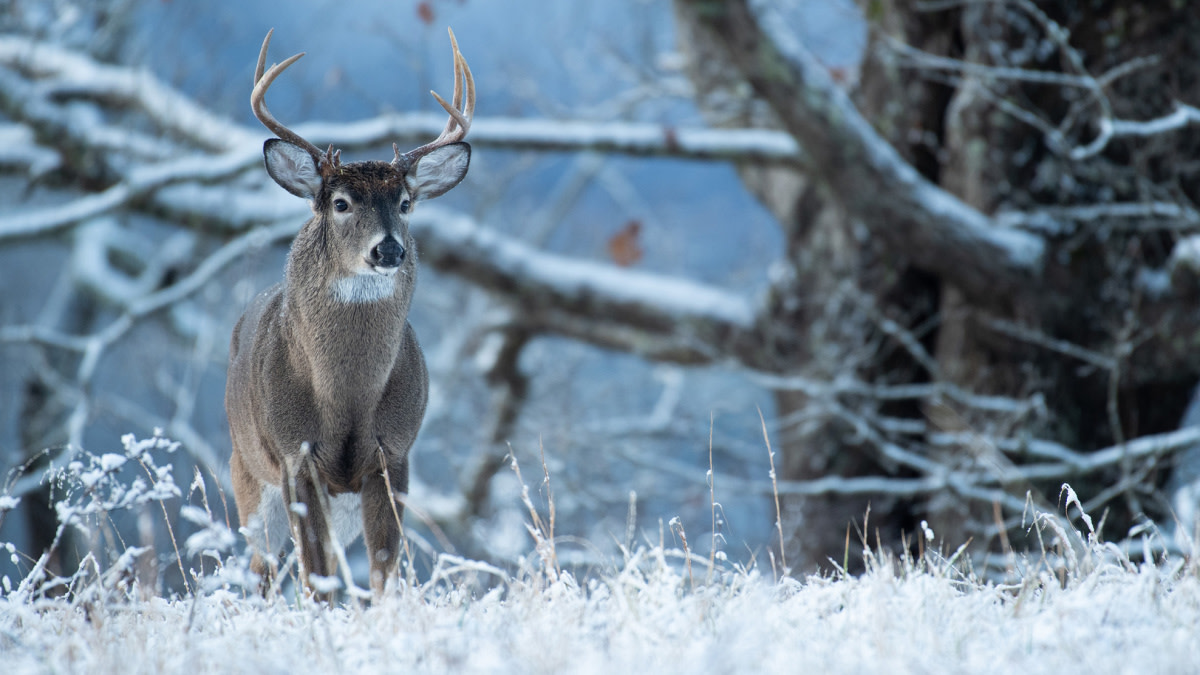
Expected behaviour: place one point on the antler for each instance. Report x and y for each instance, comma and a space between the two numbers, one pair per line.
262, 82
461, 113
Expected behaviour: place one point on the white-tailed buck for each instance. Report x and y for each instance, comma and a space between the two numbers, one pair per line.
327, 384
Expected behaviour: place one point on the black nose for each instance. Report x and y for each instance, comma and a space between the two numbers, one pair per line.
389, 253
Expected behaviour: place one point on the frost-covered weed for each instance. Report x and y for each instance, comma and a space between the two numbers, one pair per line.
94, 489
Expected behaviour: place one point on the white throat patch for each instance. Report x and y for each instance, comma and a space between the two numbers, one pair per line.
364, 288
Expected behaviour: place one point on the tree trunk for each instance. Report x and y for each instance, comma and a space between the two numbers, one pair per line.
835, 288
995, 161
1070, 337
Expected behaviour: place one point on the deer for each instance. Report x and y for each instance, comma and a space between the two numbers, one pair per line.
327, 385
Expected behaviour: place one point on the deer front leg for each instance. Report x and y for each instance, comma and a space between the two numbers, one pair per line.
262, 517
310, 524
382, 515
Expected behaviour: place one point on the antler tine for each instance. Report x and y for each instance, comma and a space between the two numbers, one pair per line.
461, 111
469, 110
262, 56
457, 96
262, 82
462, 72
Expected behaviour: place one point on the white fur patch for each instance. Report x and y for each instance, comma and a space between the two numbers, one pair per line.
346, 517
364, 288
269, 528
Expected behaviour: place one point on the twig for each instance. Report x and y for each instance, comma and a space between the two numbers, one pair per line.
1183, 116
1025, 334
712, 500
387, 482
1168, 216
920, 59
775, 493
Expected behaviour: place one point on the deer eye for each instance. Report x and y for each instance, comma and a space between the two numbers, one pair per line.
341, 205
404, 206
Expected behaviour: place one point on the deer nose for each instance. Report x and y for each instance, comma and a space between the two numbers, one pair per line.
387, 253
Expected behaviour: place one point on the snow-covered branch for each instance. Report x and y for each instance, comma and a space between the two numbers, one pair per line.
141, 182
973, 484
136, 301
1111, 128
43, 78
873, 183
1144, 216
65, 72
1075, 464
19, 149
660, 317
762, 146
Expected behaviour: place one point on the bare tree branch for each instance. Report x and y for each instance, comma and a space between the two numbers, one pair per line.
919, 59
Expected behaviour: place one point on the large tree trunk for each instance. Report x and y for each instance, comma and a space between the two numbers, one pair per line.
995, 161
1066, 337
835, 288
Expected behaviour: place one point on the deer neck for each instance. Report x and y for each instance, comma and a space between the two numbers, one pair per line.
346, 337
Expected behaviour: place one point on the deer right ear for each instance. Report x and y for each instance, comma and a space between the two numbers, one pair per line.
293, 167
439, 170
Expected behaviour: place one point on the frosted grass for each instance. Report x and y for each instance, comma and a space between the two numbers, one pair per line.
642, 618
1081, 605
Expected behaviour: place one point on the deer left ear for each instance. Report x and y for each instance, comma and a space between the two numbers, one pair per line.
434, 174
293, 167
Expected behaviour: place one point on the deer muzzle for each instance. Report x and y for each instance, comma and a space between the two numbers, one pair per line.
388, 253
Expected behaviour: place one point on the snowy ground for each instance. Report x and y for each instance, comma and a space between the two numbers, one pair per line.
1077, 606
644, 618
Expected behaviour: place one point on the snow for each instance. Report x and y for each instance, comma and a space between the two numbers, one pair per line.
643, 617
1078, 606
213, 537
1186, 255
18, 148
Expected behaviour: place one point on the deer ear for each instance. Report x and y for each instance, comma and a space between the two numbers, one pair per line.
293, 168
434, 174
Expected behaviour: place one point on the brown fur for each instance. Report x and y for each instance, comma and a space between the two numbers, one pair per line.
346, 380
327, 384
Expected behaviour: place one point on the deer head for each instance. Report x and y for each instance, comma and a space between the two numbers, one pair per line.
363, 207
327, 385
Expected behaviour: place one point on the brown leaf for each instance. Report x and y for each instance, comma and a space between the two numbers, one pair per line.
625, 247
425, 13
671, 139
